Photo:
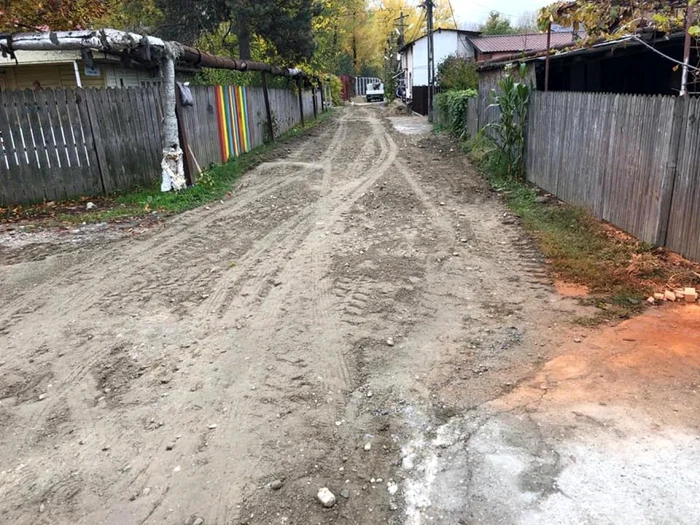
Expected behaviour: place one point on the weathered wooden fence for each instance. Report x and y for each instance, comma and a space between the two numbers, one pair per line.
634, 161
58, 144
225, 121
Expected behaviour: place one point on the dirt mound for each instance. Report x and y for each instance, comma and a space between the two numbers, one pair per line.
396, 108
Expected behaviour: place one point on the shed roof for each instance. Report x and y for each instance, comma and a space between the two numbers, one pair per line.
599, 47
439, 30
522, 42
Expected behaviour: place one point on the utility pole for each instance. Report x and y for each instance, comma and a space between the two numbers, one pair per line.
400, 22
429, 5
402, 28
686, 50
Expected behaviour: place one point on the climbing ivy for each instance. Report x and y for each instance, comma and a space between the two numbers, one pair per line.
453, 109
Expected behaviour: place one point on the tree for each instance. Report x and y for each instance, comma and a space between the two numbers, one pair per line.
284, 24
496, 24
526, 22
56, 15
612, 18
455, 72
138, 16
187, 20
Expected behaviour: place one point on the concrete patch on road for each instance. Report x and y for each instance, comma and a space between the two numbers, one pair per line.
589, 466
606, 432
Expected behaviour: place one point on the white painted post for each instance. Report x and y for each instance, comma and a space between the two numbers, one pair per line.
77, 74
173, 177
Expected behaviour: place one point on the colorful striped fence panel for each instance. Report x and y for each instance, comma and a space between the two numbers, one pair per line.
234, 123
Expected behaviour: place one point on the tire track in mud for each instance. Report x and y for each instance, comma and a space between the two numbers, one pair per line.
195, 244
303, 275
285, 238
167, 242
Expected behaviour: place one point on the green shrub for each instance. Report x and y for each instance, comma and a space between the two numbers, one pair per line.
512, 99
452, 106
336, 90
455, 72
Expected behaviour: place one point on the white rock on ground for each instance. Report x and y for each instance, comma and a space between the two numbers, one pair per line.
326, 497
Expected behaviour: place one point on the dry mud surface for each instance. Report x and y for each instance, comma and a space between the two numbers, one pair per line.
359, 316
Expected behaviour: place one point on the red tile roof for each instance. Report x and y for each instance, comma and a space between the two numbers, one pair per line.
515, 43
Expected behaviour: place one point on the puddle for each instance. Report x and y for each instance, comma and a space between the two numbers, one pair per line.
411, 125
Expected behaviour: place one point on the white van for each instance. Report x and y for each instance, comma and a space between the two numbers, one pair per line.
375, 92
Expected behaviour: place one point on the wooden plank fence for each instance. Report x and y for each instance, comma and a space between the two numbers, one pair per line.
634, 161
59, 144
207, 121
684, 214
609, 153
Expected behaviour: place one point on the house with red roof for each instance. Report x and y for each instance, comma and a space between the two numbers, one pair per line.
472, 46
490, 47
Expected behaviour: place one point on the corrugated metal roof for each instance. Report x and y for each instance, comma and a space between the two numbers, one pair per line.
515, 43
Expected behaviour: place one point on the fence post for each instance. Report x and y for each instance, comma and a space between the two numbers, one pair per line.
313, 98
268, 110
320, 89
301, 101
668, 183
182, 135
87, 96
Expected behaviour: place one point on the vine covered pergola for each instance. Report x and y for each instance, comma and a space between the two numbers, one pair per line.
611, 19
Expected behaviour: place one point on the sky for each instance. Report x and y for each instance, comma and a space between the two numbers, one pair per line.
469, 12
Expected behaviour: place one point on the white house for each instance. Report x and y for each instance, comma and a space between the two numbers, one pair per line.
414, 55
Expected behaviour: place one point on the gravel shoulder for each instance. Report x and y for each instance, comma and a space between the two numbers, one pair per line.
355, 318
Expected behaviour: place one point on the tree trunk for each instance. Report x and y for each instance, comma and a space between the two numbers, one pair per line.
243, 33
354, 41
354, 52
172, 164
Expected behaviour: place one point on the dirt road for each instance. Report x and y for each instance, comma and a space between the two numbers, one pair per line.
346, 320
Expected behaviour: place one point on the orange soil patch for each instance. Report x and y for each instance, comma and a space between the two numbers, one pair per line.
567, 289
651, 360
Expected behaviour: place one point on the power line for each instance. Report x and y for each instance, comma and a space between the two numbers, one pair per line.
449, 2
418, 27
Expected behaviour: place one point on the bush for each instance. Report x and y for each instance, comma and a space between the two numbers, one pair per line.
512, 99
452, 106
455, 72
336, 90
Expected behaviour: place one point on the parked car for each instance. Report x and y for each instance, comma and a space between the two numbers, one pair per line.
375, 92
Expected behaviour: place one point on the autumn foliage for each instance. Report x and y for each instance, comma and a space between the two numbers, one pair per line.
613, 18
56, 15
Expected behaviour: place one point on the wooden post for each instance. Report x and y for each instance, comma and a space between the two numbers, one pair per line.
268, 110
182, 135
313, 99
301, 101
86, 97
323, 102
668, 183
686, 50
546, 58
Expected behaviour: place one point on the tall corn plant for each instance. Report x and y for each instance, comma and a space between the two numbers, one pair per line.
512, 99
